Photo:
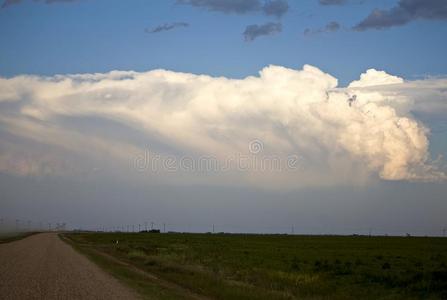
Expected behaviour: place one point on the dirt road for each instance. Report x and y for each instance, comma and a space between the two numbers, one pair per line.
44, 267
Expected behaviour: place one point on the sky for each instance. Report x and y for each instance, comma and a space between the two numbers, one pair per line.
325, 116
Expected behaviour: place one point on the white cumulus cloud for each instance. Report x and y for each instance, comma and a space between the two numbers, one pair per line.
372, 77
340, 135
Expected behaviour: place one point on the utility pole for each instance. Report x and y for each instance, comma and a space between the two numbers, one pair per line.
164, 227
213, 228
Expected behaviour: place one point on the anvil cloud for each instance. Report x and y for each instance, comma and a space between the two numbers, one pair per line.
343, 135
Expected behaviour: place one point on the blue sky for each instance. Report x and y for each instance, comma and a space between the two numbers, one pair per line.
103, 35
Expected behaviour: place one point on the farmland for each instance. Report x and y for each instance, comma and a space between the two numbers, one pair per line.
238, 266
7, 237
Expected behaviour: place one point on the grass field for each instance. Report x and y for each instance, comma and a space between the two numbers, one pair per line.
7, 237
224, 266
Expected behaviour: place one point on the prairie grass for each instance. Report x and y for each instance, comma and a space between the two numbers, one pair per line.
238, 266
7, 237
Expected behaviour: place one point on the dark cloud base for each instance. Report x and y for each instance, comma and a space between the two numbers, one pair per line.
270, 7
7, 3
166, 27
254, 31
404, 12
330, 27
332, 2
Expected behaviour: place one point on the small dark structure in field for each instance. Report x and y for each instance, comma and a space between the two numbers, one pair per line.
150, 231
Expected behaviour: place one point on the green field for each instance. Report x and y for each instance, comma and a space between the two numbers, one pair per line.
7, 237
230, 266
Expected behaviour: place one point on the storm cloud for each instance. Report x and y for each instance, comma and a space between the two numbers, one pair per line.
332, 2
330, 27
166, 27
276, 8
404, 12
7, 3
269, 7
254, 31
72, 125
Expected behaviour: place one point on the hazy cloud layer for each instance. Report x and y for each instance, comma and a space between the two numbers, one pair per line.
269, 7
74, 125
330, 27
7, 3
254, 31
332, 2
404, 12
275, 8
225, 6
166, 27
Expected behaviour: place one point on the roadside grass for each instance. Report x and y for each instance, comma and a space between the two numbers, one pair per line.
148, 286
7, 237
230, 266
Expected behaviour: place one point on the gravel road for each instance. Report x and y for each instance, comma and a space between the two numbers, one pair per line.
44, 267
